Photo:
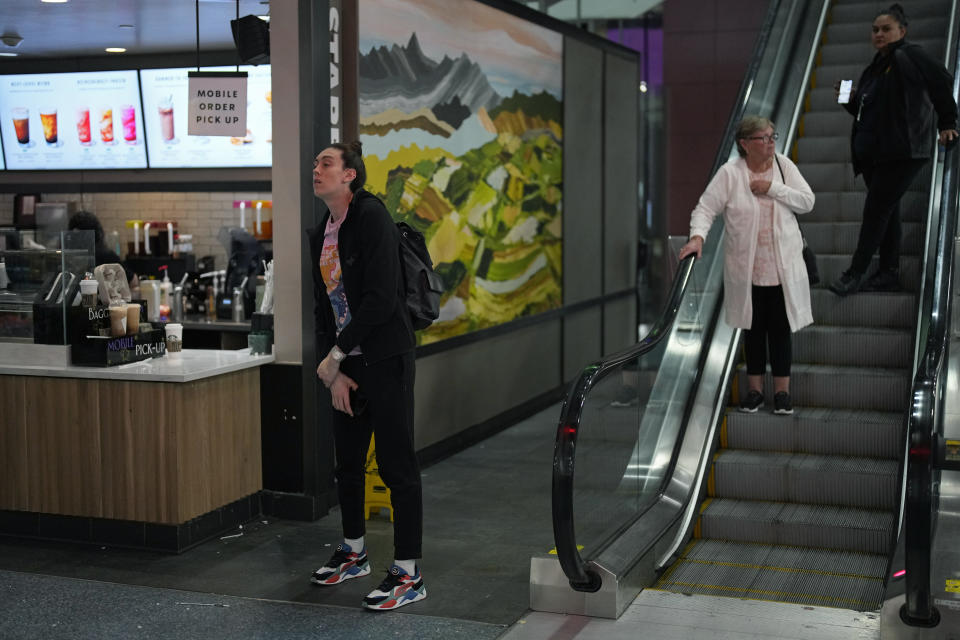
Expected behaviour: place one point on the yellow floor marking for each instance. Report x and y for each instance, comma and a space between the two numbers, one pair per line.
553, 551
818, 572
767, 592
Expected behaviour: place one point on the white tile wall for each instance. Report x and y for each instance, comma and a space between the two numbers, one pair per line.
201, 214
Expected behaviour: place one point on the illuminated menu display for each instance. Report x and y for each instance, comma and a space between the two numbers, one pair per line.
88, 120
165, 100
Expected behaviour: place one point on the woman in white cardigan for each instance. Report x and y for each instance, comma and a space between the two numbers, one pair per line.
766, 287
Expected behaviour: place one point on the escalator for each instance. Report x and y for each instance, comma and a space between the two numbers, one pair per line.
679, 491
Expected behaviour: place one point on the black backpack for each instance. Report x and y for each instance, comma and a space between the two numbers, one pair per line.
423, 286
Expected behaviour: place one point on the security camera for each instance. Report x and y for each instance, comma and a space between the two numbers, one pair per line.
11, 39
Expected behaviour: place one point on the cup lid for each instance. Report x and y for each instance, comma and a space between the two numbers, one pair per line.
89, 286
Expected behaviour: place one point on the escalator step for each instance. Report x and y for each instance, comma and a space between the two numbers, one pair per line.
868, 434
862, 50
833, 123
821, 148
784, 574
849, 32
875, 309
841, 237
847, 206
802, 525
868, 483
838, 176
841, 387
828, 75
831, 265
864, 12
854, 346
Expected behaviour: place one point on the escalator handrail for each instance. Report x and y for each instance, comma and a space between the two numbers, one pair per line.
581, 578
565, 448
926, 409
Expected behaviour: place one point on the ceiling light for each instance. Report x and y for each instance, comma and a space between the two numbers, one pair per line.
54, 1
265, 18
8, 54
115, 50
11, 39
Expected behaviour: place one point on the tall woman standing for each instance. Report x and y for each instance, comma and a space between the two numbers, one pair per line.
766, 288
894, 105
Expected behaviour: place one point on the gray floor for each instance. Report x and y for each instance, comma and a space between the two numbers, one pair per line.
38, 606
486, 512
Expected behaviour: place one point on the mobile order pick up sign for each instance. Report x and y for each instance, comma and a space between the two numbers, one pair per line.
167, 119
218, 103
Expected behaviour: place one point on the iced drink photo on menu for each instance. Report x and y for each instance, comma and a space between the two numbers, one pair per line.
128, 118
21, 124
83, 126
106, 126
165, 110
48, 118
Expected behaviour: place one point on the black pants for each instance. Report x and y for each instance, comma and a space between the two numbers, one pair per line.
387, 387
769, 327
880, 229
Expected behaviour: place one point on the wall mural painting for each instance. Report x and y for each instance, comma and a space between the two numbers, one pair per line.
460, 111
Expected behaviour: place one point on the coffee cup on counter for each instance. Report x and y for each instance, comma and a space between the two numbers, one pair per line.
88, 293
133, 318
174, 332
118, 320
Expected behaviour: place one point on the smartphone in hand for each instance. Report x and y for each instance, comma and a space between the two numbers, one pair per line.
846, 86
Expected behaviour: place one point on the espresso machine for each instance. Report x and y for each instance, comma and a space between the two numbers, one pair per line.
245, 262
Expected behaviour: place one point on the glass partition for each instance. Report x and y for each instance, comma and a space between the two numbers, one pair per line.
40, 285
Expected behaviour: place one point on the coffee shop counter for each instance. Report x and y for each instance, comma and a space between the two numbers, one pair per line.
193, 364
203, 332
160, 454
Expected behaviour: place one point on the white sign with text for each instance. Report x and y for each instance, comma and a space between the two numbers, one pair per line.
217, 104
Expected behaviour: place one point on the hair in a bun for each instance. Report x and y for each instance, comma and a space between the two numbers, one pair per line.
896, 12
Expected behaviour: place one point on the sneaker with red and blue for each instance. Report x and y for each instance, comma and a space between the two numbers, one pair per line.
343, 565
398, 589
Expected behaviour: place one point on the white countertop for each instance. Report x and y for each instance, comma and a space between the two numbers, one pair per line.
193, 364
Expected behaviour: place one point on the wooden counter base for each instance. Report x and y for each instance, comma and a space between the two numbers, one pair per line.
147, 452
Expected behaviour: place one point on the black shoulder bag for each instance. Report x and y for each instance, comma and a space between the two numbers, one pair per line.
809, 257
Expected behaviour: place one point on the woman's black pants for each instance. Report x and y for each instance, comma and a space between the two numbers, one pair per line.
769, 327
880, 229
387, 387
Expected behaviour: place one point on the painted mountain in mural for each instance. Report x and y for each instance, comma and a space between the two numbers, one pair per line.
463, 141
404, 78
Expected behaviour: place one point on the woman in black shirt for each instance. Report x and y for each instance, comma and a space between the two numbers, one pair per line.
894, 105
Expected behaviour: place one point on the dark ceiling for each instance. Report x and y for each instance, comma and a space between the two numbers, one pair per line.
87, 27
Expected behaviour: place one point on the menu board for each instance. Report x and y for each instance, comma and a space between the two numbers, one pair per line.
165, 100
87, 120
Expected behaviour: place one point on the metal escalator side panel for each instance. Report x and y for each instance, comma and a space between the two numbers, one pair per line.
699, 355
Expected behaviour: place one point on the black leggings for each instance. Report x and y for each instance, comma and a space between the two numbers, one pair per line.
880, 229
769, 326
388, 388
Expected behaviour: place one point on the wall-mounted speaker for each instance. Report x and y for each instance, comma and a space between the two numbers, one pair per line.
252, 37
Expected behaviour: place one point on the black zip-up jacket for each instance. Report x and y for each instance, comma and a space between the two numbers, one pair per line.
369, 249
909, 86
